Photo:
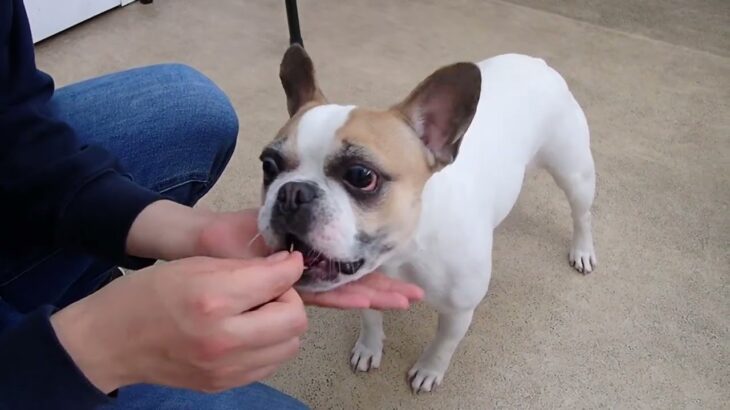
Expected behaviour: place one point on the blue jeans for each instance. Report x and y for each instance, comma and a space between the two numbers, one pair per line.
174, 131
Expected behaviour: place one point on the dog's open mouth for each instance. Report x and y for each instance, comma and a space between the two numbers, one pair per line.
318, 266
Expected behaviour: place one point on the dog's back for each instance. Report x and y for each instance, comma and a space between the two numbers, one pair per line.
526, 115
522, 108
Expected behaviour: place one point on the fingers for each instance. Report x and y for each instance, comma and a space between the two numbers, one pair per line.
272, 323
335, 299
262, 280
231, 235
259, 374
256, 246
389, 300
291, 297
409, 290
357, 297
275, 354
243, 378
375, 291
384, 283
234, 377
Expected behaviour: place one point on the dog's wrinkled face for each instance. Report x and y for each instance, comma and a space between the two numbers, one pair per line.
340, 192
343, 184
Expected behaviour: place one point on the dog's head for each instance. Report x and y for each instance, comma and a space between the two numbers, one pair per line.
343, 184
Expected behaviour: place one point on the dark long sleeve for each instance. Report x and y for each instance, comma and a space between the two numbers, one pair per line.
35, 370
53, 190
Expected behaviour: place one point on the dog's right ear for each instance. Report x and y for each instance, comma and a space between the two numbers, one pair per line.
297, 78
441, 108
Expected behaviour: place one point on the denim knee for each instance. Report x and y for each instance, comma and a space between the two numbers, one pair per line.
208, 131
216, 119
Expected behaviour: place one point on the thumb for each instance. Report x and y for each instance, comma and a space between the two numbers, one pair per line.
263, 279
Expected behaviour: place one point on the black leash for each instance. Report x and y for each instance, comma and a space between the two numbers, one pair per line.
292, 19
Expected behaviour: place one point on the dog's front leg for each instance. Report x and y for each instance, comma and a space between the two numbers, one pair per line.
368, 350
428, 372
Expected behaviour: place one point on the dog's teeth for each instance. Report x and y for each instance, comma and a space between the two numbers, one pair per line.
291, 247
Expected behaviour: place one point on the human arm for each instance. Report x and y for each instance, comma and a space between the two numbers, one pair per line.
36, 371
235, 234
54, 191
201, 323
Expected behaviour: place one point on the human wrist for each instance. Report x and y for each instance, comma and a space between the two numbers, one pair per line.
82, 330
167, 230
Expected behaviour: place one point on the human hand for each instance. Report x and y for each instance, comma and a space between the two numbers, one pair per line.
232, 235
170, 231
167, 230
235, 234
374, 291
199, 323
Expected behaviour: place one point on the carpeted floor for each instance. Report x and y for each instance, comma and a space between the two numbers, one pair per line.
649, 329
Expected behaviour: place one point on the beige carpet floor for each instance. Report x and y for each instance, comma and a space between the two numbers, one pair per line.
649, 329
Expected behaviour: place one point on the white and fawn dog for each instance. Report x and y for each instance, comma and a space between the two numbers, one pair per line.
416, 190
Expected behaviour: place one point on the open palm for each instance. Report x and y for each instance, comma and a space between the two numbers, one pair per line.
374, 291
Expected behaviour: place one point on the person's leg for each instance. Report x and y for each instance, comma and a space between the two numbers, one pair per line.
172, 130
252, 397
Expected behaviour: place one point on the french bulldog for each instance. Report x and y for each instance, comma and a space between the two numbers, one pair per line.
416, 190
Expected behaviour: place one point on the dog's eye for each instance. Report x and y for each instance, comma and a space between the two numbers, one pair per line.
361, 178
270, 168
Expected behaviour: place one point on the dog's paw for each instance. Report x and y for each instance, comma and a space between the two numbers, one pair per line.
583, 258
424, 379
365, 358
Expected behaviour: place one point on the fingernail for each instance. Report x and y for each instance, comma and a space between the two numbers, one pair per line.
278, 256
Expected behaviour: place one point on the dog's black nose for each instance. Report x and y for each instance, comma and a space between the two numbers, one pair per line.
294, 195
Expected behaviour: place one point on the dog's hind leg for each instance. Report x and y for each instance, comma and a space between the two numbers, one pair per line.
567, 156
368, 350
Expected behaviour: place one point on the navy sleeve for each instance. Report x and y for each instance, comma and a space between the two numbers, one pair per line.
36, 371
53, 189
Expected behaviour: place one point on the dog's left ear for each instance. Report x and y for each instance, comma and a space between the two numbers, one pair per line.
441, 108
297, 77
